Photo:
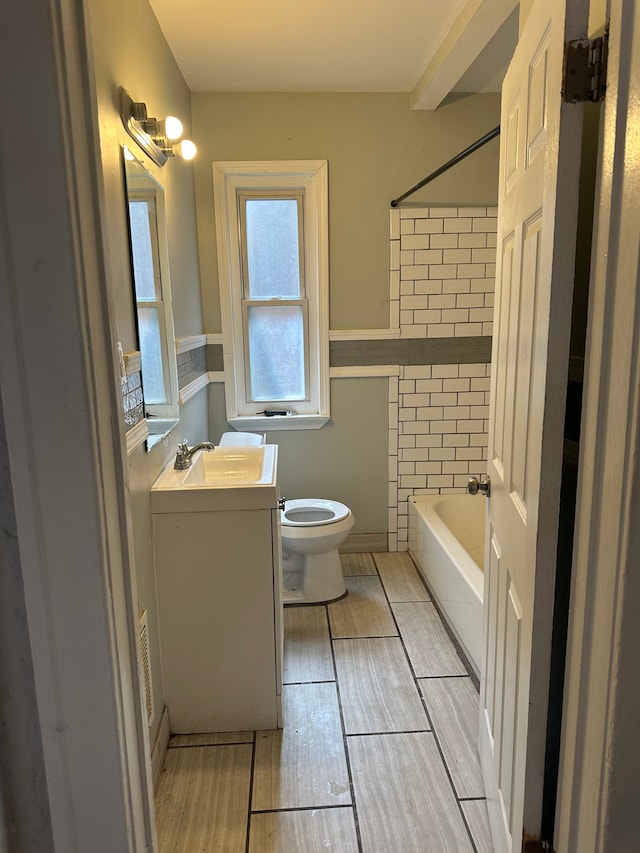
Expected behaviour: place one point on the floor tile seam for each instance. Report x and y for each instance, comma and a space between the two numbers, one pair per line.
288, 809
440, 677
315, 642
449, 777
312, 681
421, 580
410, 601
430, 721
212, 745
459, 711
362, 575
375, 574
356, 820
407, 657
395, 732
457, 800
251, 780
455, 642
465, 674
368, 637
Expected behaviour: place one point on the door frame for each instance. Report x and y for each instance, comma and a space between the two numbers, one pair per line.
599, 787
59, 383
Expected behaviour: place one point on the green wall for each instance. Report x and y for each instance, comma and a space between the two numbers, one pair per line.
376, 147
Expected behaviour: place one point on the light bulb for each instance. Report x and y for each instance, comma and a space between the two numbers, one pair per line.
186, 149
172, 127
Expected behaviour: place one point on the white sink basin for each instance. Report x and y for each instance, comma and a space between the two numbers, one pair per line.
227, 465
225, 478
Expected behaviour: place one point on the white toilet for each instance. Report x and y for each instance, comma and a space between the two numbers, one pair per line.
312, 530
241, 439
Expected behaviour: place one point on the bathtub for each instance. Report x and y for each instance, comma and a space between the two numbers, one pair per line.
446, 540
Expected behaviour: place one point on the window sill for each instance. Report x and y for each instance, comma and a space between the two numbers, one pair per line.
278, 422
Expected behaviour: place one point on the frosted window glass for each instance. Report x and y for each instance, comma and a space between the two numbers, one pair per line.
141, 249
273, 257
151, 353
276, 352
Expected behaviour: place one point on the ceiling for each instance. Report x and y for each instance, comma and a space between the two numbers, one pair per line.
424, 47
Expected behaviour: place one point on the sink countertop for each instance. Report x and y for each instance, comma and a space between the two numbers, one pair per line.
227, 478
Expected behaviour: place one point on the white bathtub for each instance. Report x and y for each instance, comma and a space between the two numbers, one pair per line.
446, 540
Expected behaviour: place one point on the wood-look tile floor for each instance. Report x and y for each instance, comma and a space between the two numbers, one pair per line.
378, 751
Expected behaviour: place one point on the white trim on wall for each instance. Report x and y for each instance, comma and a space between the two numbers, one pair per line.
132, 362
364, 371
363, 334
334, 335
190, 342
193, 387
136, 436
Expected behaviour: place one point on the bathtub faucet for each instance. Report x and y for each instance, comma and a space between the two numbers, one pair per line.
184, 453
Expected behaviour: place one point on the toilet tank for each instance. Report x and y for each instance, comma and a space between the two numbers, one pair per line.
241, 439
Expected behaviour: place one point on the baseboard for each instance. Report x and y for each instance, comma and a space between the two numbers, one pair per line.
364, 543
160, 747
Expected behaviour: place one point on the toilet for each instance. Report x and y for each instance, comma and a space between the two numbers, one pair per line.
312, 530
241, 439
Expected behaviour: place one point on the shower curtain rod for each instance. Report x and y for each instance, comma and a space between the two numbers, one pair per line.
454, 160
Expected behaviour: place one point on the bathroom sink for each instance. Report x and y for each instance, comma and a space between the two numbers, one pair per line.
225, 478
227, 465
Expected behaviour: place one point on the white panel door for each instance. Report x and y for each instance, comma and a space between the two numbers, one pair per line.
539, 158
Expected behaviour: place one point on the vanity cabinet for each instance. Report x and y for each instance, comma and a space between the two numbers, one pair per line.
218, 578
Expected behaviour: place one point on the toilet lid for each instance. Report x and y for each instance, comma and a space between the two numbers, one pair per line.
311, 512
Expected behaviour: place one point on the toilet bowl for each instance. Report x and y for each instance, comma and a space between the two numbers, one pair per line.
312, 530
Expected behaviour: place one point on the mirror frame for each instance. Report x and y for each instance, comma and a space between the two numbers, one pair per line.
160, 418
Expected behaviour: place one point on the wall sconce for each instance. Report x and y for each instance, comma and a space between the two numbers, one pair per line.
158, 138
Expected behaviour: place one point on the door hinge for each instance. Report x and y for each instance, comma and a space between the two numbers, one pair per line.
585, 69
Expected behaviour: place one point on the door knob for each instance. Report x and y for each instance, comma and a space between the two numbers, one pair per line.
482, 485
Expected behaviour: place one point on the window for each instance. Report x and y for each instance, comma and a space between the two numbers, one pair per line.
271, 221
149, 263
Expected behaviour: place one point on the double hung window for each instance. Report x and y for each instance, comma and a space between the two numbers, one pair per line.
272, 249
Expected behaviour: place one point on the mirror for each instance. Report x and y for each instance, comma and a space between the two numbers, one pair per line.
152, 297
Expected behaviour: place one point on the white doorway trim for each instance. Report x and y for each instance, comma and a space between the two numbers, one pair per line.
66, 448
599, 786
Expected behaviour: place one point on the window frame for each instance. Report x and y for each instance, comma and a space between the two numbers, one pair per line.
232, 179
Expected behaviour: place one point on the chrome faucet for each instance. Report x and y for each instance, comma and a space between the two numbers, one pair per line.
184, 453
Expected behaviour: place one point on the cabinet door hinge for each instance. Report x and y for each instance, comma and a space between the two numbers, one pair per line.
585, 69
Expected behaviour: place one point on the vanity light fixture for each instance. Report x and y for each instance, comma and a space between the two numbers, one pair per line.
158, 138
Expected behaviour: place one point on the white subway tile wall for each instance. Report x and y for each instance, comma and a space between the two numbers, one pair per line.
441, 286
438, 420
442, 262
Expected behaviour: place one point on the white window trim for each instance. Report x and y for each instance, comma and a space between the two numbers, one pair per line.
311, 175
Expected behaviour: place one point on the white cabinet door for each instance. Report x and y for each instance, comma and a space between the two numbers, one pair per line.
539, 163
215, 582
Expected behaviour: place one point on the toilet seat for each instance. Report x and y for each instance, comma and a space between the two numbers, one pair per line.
313, 512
